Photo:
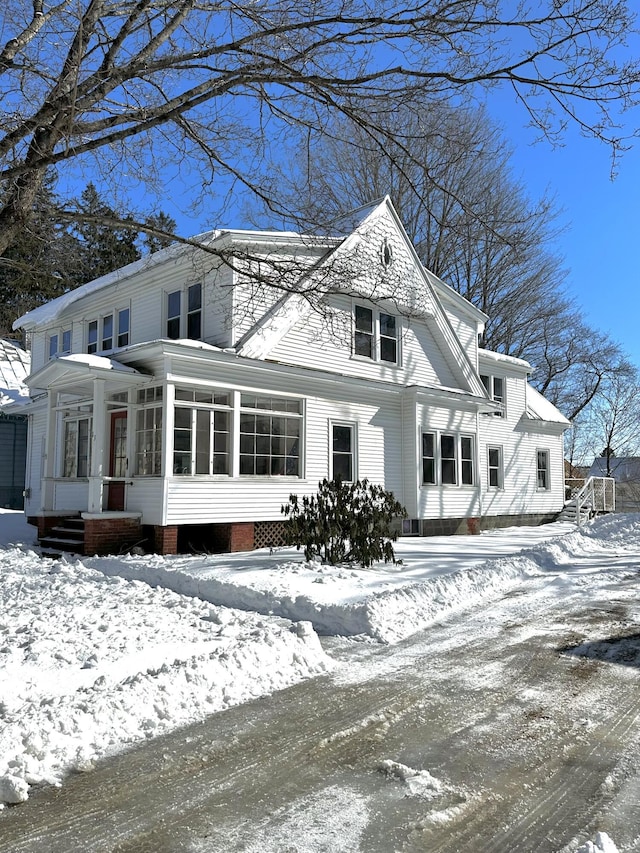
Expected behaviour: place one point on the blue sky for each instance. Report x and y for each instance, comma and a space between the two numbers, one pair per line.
600, 243
600, 240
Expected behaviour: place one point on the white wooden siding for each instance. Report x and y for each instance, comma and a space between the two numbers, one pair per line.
146, 495
36, 431
211, 500
71, 495
312, 343
446, 501
519, 441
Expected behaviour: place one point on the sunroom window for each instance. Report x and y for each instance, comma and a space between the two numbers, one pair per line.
270, 436
76, 447
202, 434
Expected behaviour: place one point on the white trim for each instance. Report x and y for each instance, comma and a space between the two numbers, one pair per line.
500, 468
353, 427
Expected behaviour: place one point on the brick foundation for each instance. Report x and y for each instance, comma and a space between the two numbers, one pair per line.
165, 539
110, 534
241, 536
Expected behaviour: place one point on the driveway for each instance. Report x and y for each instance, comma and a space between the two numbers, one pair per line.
513, 727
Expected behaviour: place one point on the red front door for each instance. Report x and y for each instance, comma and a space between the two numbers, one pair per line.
117, 460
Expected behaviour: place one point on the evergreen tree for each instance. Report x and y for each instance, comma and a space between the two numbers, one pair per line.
104, 245
39, 265
162, 222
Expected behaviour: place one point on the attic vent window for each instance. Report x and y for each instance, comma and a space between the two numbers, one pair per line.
386, 254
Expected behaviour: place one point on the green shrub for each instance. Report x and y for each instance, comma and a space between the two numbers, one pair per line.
344, 522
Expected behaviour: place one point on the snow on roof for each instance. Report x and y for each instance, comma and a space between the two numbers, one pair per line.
96, 361
351, 221
539, 408
48, 312
15, 365
499, 357
623, 468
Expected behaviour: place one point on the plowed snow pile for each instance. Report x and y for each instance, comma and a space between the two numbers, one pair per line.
92, 659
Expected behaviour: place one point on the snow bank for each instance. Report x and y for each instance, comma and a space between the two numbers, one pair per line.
438, 576
602, 844
90, 663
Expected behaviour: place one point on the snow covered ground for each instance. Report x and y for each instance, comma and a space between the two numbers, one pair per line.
93, 659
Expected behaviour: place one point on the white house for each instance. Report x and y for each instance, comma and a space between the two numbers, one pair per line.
181, 400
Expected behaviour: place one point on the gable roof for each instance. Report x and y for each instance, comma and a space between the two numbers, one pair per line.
540, 409
46, 314
15, 364
269, 330
624, 469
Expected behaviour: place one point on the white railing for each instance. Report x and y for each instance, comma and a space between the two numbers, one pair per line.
596, 494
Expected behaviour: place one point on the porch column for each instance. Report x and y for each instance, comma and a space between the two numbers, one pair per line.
48, 485
98, 439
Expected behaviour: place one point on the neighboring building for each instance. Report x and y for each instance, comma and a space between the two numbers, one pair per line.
14, 368
625, 470
185, 401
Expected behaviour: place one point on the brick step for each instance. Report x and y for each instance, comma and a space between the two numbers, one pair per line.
58, 543
67, 536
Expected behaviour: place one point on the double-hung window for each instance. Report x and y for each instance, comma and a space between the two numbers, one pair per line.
184, 313
542, 470
375, 335
495, 469
448, 459
202, 432
270, 436
343, 452
60, 343
495, 387
110, 331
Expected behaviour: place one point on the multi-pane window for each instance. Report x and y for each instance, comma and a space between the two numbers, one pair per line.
542, 466
149, 432
173, 314
124, 319
189, 304
107, 332
363, 338
270, 436
201, 435
92, 337
194, 312
448, 462
76, 447
375, 335
448, 459
495, 469
495, 387
466, 460
343, 464
428, 458
60, 343
388, 338
111, 331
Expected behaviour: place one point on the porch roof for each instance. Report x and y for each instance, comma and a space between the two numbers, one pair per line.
75, 374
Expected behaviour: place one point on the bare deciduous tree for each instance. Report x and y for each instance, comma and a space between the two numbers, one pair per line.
473, 224
609, 426
135, 86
